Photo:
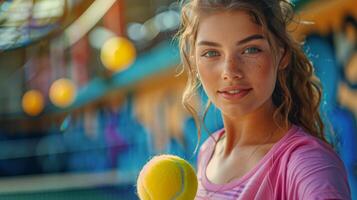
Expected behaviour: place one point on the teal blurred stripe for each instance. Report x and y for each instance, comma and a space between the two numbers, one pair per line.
123, 192
162, 57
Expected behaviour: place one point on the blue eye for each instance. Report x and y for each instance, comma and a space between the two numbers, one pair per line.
252, 50
210, 54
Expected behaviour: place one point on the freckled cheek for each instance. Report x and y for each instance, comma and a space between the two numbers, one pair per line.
265, 81
264, 74
207, 70
208, 77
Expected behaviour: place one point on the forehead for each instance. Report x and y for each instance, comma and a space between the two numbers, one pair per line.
227, 25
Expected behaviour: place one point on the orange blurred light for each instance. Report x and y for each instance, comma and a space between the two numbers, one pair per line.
62, 92
32, 102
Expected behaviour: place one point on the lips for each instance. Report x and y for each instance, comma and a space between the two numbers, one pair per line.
234, 93
233, 89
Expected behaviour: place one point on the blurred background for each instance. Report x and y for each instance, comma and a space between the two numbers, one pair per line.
90, 90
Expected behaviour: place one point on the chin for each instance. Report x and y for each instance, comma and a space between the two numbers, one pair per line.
238, 110
234, 111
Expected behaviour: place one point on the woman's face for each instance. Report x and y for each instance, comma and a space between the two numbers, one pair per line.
235, 63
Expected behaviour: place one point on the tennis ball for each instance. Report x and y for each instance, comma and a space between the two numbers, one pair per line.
167, 177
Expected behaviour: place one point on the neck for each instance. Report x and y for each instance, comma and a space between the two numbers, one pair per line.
251, 130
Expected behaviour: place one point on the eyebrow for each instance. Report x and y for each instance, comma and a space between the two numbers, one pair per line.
245, 40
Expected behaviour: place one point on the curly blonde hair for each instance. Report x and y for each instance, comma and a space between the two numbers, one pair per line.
297, 93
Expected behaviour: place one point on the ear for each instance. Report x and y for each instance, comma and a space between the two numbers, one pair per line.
284, 58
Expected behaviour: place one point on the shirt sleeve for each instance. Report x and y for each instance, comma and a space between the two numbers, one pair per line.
315, 172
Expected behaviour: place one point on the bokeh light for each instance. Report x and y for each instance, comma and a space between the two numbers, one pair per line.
62, 92
99, 35
117, 54
136, 32
32, 102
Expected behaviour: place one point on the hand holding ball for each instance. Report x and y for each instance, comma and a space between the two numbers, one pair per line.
167, 177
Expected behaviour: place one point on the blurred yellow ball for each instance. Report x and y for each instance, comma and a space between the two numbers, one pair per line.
62, 92
117, 54
32, 102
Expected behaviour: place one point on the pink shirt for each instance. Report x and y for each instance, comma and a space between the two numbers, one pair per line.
298, 166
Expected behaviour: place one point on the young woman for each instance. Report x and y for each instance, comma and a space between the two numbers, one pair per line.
272, 145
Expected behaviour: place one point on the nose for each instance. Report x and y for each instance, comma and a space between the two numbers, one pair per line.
231, 70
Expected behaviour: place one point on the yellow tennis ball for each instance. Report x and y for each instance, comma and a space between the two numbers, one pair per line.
62, 92
117, 53
32, 102
167, 177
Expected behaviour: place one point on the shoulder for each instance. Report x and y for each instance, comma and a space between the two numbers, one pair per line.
211, 140
314, 168
305, 149
305, 145
208, 144
298, 145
